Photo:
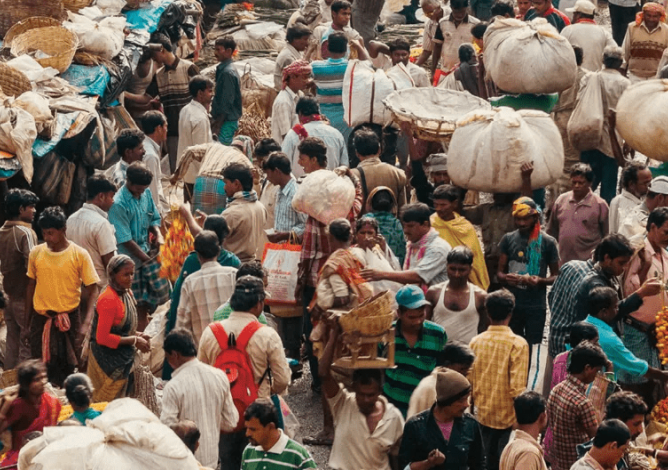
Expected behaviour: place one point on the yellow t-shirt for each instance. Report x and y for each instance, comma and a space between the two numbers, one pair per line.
59, 276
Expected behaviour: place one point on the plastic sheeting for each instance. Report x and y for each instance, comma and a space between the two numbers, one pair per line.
92, 80
63, 122
147, 18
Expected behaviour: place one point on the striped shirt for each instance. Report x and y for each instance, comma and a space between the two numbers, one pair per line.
286, 219
200, 393
286, 453
328, 76
412, 363
561, 299
172, 82
202, 293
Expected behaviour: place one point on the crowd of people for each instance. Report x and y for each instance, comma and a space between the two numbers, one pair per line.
525, 330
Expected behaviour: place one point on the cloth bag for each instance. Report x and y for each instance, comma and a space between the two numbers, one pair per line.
537, 367
281, 261
585, 127
325, 196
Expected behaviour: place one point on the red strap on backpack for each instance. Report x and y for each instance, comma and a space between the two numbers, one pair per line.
243, 339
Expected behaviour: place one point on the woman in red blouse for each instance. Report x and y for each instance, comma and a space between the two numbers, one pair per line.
115, 339
32, 409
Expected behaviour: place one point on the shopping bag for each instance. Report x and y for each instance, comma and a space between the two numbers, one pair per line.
600, 390
537, 368
281, 261
585, 127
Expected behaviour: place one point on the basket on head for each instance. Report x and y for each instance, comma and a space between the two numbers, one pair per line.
58, 42
379, 304
13, 82
27, 24
76, 5
366, 326
14, 11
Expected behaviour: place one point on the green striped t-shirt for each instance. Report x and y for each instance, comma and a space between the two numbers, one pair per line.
285, 454
412, 364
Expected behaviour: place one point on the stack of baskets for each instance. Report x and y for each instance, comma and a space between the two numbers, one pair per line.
372, 318
59, 43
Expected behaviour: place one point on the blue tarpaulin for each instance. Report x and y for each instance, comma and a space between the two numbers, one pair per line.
147, 18
92, 80
63, 123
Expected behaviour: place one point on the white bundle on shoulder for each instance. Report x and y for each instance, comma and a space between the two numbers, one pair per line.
325, 196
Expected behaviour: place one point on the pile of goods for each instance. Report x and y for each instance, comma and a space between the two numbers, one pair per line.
642, 112
662, 335
325, 196
178, 244
235, 13
489, 147
546, 58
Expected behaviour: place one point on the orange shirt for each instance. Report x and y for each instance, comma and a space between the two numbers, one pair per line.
110, 312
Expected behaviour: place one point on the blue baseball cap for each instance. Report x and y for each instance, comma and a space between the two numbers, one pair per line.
411, 297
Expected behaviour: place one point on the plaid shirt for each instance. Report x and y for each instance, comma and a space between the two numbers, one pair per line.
569, 413
202, 293
315, 244
286, 219
499, 374
413, 363
562, 300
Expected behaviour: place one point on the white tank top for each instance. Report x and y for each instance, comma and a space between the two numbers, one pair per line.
459, 326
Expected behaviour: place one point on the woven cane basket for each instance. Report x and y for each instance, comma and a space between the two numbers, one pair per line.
12, 81
76, 5
24, 25
60, 43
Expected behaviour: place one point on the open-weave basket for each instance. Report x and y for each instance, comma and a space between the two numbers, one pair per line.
60, 43
13, 11
28, 24
379, 304
76, 5
432, 112
366, 326
13, 82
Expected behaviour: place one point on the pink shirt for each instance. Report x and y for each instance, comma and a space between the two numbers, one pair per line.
446, 429
578, 226
659, 269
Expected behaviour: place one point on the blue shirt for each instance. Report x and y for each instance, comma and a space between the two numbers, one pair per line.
132, 218
613, 347
286, 219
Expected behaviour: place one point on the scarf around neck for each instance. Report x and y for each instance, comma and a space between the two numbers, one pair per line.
249, 196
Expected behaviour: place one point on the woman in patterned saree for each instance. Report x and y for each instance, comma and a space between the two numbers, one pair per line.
114, 337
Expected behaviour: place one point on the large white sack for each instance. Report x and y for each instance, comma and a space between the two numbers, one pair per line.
104, 39
17, 136
528, 57
325, 196
126, 436
365, 89
35, 104
642, 118
585, 126
489, 147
